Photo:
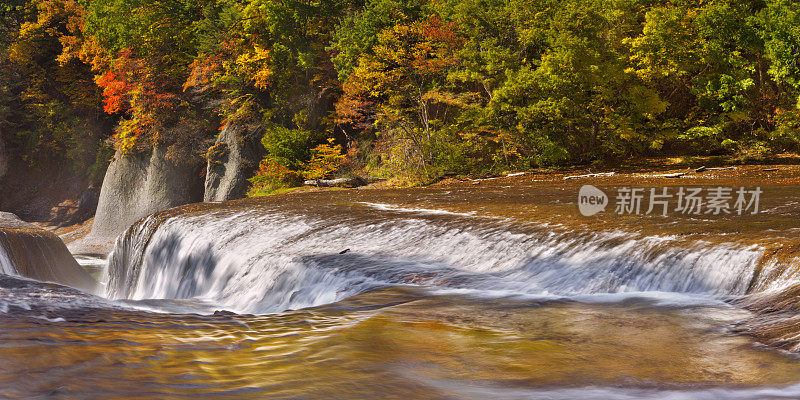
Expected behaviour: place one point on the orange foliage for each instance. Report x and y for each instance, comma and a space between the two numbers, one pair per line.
115, 92
131, 86
208, 68
117, 83
327, 159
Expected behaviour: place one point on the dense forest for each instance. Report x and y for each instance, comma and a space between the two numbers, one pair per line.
413, 89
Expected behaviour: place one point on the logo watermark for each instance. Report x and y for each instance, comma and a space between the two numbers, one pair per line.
591, 200
683, 200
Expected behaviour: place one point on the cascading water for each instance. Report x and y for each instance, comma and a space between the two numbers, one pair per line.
6, 264
42, 256
385, 294
270, 260
28, 256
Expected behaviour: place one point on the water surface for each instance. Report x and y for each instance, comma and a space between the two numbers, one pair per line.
463, 291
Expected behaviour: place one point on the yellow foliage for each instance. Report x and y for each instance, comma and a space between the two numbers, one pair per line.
255, 63
126, 136
326, 160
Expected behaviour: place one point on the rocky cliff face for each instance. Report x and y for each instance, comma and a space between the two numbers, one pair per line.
233, 158
138, 185
3, 158
49, 191
34, 253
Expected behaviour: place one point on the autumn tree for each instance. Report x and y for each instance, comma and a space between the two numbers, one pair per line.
145, 50
401, 85
780, 23
49, 104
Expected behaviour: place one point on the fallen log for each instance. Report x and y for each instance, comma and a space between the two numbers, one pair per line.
704, 169
674, 175
342, 182
590, 175
670, 175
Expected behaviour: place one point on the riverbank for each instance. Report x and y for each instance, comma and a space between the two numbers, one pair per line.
686, 166
550, 196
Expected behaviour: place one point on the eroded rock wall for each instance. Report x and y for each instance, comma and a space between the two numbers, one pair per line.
138, 185
231, 161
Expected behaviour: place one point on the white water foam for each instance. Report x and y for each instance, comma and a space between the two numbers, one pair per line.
258, 261
6, 265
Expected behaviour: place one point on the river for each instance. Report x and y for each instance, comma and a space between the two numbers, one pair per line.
493, 289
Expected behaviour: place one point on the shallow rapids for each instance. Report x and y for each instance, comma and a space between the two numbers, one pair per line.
274, 259
429, 294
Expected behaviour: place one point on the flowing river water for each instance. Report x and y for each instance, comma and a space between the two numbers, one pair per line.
497, 289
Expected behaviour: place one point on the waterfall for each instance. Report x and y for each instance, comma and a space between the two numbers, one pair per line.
269, 259
6, 264
40, 255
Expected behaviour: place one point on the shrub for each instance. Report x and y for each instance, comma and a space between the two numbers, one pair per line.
327, 160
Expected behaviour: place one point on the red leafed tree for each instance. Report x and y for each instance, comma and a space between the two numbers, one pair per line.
115, 92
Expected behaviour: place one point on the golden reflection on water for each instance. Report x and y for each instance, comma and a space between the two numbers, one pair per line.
406, 344
354, 349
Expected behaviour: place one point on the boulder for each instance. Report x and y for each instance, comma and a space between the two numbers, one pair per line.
28, 251
138, 185
231, 161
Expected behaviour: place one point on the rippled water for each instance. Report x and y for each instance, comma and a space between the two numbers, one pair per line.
390, 343
393, 295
